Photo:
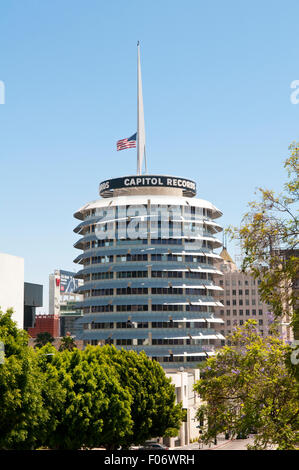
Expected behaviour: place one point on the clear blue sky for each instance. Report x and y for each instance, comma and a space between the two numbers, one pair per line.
216, 86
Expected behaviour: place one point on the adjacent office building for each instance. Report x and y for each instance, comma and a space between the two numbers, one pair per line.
240, 298
33, 298
148, 266
63, 298
22, 297
12, 286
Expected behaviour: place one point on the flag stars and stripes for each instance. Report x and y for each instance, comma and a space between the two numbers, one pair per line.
128, 143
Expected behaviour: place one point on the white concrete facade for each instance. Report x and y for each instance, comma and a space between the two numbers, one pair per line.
12, 286
184, 382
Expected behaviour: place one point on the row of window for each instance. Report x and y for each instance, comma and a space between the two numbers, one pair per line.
179, 274
154, 240
247, 312
240, 292
99, 308
241, 302
155, 342
129, 324
155, 274
166, 359
180, 341
107, 275
233, 282
145, 257
140, 241
241, 322
145, 291
144, 308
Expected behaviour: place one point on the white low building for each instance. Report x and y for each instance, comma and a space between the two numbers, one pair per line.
184, 381
12, 286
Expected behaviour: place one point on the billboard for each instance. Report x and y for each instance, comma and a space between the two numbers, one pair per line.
68, 284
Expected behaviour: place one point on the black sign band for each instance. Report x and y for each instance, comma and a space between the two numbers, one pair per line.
188, 186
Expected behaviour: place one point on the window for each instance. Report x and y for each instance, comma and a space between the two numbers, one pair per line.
101, 326
260, 312
228, 322
241, 312
247, 313
132, 291
124, 342
102, 308
131, 274
240, 292
234, 292
131, 308
253, 312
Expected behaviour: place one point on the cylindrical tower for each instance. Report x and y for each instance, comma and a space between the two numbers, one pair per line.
148, 269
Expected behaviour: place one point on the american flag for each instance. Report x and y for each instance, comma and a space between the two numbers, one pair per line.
128, 143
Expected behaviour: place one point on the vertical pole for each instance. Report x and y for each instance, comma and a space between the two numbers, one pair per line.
140, 117
138, 146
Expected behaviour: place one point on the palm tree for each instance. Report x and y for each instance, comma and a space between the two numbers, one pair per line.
42, 339
67, 342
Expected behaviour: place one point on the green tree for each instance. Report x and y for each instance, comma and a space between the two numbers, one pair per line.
23, 416
269, 239
42, 339
15, 340
76, 399
94, 408
153, 408
247, 388
67, 342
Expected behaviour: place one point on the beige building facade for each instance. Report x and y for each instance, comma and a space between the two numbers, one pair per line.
240, 298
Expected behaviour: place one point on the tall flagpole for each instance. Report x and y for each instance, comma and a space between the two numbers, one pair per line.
140, 117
